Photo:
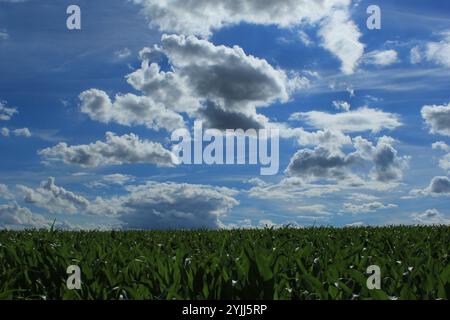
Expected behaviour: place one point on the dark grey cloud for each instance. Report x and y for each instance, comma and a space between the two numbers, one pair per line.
169, 205
223, 74
318, 163
437, 118
388, 164
329, 162
440, 185
387, 167
216, 117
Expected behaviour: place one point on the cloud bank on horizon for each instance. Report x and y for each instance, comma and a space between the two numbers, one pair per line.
363, 115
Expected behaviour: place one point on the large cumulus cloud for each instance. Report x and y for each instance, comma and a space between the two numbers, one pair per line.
331, 163
151, 205
172, 206
221, 85
226, 75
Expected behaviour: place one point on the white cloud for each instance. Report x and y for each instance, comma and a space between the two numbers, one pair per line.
339, 33
16, 217
362, 197
106, 181
351, 91
291, 189
305, 39
115, 150
4, 35
117, 178
439, 186
6, 112
430, 216
167, 88
122, 53
208, 15
359, 120
129, 110
341, 36
5, 193
267, 223
366, 207
441, 145
5, 132
381, 58
444, 162
342, 105
311, 209
356, 224
53, 198
439, 52
328, 138
415, 55
23, 132
437, 117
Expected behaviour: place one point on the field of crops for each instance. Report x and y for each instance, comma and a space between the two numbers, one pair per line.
316, 263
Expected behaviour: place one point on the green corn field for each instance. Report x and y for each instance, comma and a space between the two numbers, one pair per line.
314, 263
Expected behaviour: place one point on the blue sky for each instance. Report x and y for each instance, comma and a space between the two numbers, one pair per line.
86, 115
